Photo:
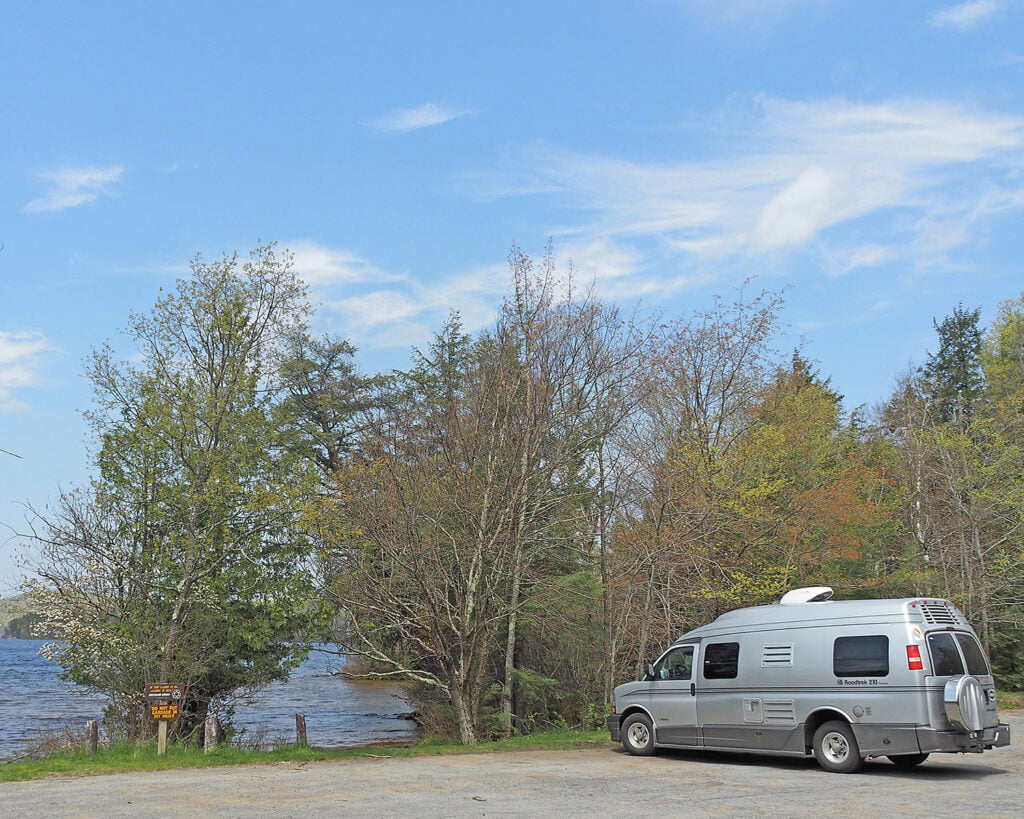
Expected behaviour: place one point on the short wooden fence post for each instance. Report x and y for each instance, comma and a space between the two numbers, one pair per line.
300, 729
92, 736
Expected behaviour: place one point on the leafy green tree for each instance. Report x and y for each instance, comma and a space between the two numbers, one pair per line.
1003, 361
184, 560
1003, 357
962, 476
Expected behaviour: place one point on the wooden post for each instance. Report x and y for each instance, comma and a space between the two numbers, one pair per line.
300, 729
161, 738
211, 733
92, 736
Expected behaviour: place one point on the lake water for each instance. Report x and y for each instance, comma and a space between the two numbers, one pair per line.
34, 701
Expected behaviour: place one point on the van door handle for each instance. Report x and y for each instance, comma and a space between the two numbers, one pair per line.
693, 689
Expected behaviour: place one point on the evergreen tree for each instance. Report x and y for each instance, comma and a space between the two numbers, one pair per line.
954, 376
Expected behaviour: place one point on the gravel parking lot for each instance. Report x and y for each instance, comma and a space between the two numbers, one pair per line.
602, 781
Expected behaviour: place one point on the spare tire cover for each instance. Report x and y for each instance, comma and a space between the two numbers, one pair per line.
965, 703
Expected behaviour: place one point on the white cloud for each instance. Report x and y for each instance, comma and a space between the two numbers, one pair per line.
412, 119
70, 187
617, 271
851, 185
371, 310
795, 171
966, 15
20, 355
378, 309
840, 261
799, 211
408, 314
601, 260
321, 266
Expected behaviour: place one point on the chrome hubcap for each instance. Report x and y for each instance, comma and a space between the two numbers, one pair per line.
835, 747
639, 736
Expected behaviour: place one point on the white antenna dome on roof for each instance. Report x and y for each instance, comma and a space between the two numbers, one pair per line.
811, 594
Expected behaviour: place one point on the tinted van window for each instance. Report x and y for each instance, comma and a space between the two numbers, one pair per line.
866, 656
976, 662
945, 658
721, 661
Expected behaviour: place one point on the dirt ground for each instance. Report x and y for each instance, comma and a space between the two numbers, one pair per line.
547, 783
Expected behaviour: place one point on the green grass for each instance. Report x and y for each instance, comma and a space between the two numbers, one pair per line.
134, 757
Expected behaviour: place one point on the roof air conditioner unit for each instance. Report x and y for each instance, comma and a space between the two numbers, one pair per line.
812, 594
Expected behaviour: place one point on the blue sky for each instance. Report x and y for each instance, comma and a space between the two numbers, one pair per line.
866, 156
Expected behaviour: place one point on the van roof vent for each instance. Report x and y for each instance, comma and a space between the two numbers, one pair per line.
939, 613
811, 594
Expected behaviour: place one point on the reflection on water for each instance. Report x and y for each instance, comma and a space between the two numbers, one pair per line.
35, 701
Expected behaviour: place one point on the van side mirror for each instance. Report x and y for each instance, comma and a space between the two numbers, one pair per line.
650, 672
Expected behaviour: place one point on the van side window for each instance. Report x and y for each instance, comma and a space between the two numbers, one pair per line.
675, 665
866, 656
945, 658
721, 661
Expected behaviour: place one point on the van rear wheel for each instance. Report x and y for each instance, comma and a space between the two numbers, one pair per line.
638, 735
907, 760
836, 749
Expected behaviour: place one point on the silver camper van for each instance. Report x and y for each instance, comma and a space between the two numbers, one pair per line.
842, 680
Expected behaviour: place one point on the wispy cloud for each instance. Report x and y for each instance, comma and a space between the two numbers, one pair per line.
379, 309
411, 119
408, 312
321, 266
20, 355
70, 187
846, 184
840, 260
966, 15
792, 173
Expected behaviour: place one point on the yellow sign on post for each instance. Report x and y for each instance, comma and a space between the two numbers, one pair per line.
163, 711
163, 700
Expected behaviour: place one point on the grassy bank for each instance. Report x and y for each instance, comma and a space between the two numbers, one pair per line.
132, 757
124, 758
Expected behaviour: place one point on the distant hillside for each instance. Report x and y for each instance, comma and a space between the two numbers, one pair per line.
15, 618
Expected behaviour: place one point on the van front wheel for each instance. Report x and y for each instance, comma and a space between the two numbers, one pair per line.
836, 749
638, 735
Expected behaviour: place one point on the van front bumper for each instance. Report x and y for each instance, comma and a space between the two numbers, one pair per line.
613, 726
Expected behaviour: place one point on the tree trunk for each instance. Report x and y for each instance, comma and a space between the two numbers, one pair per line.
508, 686
463, 714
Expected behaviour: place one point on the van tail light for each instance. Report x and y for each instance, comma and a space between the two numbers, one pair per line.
914, 662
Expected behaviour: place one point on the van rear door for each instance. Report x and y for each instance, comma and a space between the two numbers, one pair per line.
954, 653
